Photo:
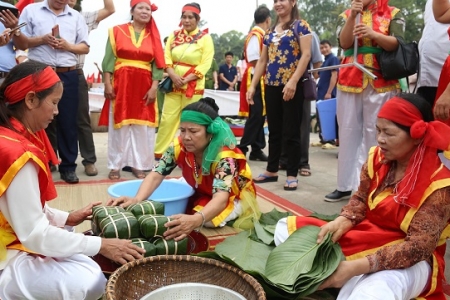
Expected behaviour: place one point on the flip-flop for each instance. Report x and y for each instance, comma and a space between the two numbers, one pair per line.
114, 175
266, 179
291, 188
304, 172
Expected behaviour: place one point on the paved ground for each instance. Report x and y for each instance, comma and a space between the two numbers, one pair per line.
309, 195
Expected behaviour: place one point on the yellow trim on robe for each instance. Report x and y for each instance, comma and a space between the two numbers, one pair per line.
112, 40
291, 222
372, 251
120, 62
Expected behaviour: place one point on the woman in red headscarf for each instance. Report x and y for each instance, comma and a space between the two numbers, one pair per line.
132, 68
36, 253
189, 53
393, 231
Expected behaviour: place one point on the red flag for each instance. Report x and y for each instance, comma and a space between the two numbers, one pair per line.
22, 3
99, 78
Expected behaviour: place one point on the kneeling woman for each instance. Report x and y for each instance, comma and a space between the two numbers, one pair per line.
393, 231
212, 164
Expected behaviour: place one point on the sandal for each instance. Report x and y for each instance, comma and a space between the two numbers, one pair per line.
288, 187
304, 172
138, 173
114, 175
265, 178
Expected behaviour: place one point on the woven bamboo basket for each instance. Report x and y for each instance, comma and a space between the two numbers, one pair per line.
136, 279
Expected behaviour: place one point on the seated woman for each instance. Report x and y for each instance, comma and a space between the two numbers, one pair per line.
212, 164
393, 231
38, 258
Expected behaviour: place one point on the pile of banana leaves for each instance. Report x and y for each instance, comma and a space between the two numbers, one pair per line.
293, 270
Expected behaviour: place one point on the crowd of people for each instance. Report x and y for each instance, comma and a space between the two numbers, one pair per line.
389, 163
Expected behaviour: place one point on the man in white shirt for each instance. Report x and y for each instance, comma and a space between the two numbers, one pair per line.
254, 126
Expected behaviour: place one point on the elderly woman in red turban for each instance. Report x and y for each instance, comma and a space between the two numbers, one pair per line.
393, 231
132, 67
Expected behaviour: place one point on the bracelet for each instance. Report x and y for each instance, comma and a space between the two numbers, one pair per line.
203, 220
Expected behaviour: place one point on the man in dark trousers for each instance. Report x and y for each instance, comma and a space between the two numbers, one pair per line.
255, 111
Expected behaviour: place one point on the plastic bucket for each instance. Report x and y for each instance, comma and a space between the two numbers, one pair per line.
327, 118
174, 194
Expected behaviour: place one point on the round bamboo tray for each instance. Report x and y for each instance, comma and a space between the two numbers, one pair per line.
136, 279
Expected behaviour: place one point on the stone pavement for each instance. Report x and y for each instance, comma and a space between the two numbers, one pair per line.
309, 194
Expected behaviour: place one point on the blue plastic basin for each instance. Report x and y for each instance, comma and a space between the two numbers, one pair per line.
174, 194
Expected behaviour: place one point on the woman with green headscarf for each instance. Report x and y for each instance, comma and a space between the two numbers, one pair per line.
212, 164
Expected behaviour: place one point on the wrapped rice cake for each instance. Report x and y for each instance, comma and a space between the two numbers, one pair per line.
123, 225
100, 212
149, 248
152, 225
148, 207
169, 247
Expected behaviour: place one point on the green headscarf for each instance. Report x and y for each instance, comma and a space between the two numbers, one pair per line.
221, 136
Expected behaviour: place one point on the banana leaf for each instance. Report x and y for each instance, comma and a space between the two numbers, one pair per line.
122, 225
169, 247
295, 256
149, 248
272, 217
263, 235
99, 213
152, 225
248, 255
322, 217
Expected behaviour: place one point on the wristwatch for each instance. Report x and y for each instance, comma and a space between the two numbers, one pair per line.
17, 32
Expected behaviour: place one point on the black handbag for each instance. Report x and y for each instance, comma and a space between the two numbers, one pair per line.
399, 63
309, 87
166, 85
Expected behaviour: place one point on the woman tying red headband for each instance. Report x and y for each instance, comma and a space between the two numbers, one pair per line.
394, 228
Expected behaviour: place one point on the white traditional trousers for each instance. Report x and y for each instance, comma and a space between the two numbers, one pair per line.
130, 145
357, 117
34, 277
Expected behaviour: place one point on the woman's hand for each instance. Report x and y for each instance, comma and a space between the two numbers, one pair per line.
123, 201
442, 107
337, 228
342, 274
250, 95
109, 91
177, 80
78, 216
121, 251
181, 225
289, 90
150, 96
356, 8
364, 31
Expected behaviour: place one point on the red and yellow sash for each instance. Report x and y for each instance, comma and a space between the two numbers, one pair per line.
247, 76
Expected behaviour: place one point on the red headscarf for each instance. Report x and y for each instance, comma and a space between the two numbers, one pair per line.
17, 92
154, 34
435, 135
190, 8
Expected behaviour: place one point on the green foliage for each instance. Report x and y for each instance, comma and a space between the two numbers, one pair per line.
230, 41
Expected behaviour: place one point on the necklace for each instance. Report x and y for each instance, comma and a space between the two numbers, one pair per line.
197, 180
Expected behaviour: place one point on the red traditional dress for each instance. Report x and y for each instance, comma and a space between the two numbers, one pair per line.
444, 79
17, 149
247, 76
132, 78
242, 187
356, 244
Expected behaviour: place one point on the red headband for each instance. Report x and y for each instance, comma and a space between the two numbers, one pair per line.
153, 7
191, 9
435, 134
18, 90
